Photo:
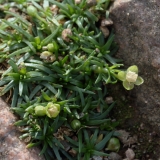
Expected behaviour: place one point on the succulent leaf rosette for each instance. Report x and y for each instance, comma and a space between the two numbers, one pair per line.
130, 77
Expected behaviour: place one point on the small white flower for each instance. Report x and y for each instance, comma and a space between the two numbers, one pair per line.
131, 76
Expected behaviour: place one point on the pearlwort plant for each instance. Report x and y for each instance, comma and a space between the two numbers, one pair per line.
60, 66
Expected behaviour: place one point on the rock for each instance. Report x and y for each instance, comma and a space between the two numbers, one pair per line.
130, 154
97, 158
65, 33
109, 100
106, 22
10, 145
137, 29
105, 31
125, 138
91, 3
114, 156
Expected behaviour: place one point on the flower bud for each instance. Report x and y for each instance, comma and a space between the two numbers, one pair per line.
40, 111
31, 10
47, 56
50, 47
131, 76
52, 110
113, 144
75, 124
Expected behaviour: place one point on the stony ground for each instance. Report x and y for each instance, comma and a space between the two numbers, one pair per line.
147, 146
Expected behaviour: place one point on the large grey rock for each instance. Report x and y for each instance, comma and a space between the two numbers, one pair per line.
137, 27
11, 147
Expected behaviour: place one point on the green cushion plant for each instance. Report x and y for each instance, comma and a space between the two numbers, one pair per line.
60, 65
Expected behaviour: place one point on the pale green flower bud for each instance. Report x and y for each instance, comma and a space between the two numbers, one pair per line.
113, 145
52, 110
50, 47
48, 56
131, 76
40, 111
31, 10
45, 55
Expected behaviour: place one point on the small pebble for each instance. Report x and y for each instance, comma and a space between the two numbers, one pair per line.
114, 156
130, 154
97, 158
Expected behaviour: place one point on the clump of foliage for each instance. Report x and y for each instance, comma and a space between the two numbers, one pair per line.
60, 63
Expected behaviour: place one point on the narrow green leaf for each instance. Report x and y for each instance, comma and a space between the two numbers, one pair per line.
18, 52
55, 124
92, 40
94, 137
40, 79
19, 29
111, 59
35, 61
96, 122
15, 97
86, 136
58, 143
91, 16
105, 114
66, 154
8, 87
82, 97
20, 88
5, 33
45, 145
108, 43
40, 67
22, 59
77, 89
60, 5
13, 65
87, 104
80, 140
3, 82
97, 153
45, 126
50, 37
23, 20
35, 74
87, 155
45, 96
37, 6
103, 143
21, 123
50, 87
33, 144
55, 149
26, 89
30, 45
75, 143
99, 78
